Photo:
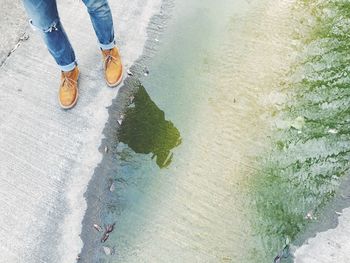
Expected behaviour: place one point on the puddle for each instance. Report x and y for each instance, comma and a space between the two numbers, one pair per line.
215, 147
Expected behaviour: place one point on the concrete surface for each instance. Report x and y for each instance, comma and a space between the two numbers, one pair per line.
48, 155
12, 26
332, 246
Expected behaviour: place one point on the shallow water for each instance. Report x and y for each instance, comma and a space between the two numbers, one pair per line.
309, 155
213, 158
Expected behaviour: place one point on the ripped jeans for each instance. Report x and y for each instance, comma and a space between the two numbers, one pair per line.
44, 16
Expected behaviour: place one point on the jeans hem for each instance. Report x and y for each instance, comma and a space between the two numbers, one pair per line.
68, 67
107, 46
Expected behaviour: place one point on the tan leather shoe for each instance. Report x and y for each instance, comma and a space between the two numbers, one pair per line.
68, 92
112, 67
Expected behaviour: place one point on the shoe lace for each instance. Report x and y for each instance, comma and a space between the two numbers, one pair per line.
110, 59
66, 80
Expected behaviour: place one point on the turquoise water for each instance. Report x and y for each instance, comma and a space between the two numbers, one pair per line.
236, 130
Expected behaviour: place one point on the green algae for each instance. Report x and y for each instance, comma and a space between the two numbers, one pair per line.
303, 170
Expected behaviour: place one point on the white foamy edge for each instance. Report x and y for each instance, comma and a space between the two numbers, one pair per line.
71, 243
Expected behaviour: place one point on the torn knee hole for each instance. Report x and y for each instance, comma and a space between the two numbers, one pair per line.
49, 29
52, 27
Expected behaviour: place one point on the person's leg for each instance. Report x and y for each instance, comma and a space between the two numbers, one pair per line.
102, 21
44, 17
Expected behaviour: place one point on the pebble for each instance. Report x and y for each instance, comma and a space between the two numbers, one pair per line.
108, 251
109, 228
333, 131
130, 73
105, 237
277, 259
120, 120
97, 227
112, 187
309, 215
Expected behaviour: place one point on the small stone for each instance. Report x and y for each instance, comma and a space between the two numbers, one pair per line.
112, 187
287, 241
110, 228
105, 237
108, 251
277, 259
309, 216
333, 131
130, 73
97, 227
298, 123
120, 120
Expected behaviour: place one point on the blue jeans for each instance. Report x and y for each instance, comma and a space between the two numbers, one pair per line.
44, 16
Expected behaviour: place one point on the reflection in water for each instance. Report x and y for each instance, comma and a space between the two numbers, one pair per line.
145, 130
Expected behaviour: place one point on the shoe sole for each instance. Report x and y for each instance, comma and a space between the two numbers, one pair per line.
75, 100
118, 81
